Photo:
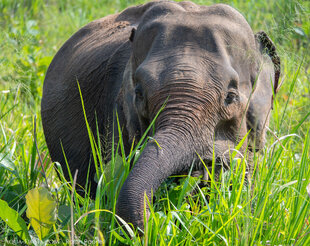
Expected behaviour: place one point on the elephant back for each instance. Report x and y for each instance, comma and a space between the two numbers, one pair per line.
95, 58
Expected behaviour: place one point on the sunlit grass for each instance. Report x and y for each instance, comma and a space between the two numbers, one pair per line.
272, 209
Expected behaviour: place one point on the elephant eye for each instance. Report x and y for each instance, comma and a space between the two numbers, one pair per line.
231, 98
138, 92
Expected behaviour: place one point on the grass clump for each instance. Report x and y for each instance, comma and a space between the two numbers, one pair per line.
273, 210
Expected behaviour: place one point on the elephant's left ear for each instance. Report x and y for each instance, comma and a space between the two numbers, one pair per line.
265, 85
266, 46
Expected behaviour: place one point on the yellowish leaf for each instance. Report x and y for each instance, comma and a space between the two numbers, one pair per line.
41, 211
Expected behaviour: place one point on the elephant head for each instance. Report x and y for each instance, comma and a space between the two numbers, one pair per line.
218, 80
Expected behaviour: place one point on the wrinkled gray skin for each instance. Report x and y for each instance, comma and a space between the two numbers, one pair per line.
205, 60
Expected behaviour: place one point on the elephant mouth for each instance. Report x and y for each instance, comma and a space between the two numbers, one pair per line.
200, 167
219, 161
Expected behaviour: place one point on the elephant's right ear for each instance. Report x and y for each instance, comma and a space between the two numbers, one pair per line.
126, 99
132, 35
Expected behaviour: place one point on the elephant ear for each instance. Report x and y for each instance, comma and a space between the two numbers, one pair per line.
126, 99
264, 90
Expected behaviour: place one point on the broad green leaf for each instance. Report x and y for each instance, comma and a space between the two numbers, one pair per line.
6, 162
42, 210
14, 221
64, 214
118, 166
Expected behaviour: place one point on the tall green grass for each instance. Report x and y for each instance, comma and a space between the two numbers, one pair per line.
273, 209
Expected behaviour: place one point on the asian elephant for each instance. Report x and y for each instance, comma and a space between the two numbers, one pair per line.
218, 80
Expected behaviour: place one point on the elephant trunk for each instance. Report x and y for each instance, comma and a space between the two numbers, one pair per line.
168, 155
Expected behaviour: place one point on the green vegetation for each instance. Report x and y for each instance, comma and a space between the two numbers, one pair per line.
274, 210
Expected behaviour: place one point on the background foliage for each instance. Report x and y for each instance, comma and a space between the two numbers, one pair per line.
274, 211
